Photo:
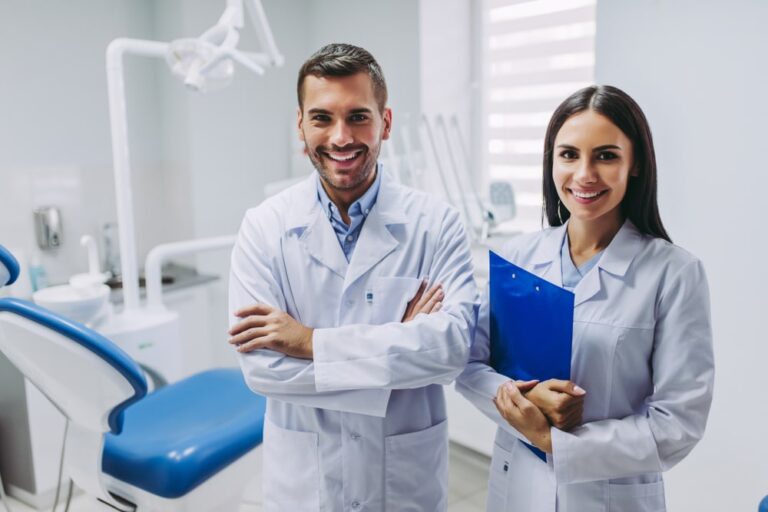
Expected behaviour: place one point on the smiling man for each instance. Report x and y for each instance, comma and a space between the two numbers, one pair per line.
326, 292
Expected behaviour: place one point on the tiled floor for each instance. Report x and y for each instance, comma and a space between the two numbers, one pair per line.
467, 480
466, 493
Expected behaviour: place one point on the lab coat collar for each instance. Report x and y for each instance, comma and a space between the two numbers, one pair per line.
547, 253
622, 250
375, 242
302, 212
615, 259
388, 205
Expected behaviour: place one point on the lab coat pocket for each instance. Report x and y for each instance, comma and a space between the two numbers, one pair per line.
416, 470
389, 296
497, 479
291, 470
636, 497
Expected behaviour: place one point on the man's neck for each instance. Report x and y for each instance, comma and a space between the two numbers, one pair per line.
343, 199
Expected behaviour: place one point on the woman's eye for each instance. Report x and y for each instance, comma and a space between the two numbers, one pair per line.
568, 154
607, 155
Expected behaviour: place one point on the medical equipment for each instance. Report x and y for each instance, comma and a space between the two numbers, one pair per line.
152, 337
86, 298
428, 139
454, 169
48, 227
391, 161
152, 334
502, 197
198, 61
409, 159
468, 184
189, 446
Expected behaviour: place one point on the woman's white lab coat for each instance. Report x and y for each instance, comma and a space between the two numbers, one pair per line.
642, 349
363, 426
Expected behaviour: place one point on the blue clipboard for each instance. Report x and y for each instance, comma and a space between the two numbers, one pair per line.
531, 325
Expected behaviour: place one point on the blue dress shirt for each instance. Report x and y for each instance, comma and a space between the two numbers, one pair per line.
571, 273
358, 212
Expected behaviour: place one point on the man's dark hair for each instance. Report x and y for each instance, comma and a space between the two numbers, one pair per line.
339, 59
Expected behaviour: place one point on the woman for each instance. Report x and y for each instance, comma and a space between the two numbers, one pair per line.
642, 363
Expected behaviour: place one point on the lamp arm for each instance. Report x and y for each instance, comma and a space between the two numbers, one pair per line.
263, 32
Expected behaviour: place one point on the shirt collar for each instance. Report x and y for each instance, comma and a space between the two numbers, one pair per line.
615, 259
362, 206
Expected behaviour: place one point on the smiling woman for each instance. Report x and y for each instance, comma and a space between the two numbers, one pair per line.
642, 363
613, 142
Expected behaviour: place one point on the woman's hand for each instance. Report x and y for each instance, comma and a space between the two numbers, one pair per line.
561, 401
522, 414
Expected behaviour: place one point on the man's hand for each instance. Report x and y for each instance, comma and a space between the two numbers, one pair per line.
561, 401
429, 302
263, 326
522, 414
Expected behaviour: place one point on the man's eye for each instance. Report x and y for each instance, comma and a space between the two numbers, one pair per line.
321, 118
607, 155
568, 154
358, 118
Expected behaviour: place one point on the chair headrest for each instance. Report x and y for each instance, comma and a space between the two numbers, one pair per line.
9, 267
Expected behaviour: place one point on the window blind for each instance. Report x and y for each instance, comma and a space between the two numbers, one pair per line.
536, 53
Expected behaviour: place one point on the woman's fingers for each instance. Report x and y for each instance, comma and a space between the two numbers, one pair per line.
565, 386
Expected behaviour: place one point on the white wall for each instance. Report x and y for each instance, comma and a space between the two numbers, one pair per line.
448, 84
54, 125
698, 70
233, 141
389, 30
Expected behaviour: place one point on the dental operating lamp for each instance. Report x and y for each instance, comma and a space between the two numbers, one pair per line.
203, 63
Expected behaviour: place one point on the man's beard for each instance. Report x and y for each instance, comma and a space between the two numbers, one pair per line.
362, 172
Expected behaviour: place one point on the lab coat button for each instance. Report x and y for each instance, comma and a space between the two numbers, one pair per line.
355, 504
355, 436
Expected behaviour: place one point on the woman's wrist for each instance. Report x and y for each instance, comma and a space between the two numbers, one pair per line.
543, 440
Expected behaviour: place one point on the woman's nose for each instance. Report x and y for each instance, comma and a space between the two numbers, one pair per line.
585, 173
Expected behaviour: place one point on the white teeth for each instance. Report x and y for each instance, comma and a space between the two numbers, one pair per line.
343, 157
586, 195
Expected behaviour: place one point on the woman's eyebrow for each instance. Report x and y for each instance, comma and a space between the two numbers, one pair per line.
606, 146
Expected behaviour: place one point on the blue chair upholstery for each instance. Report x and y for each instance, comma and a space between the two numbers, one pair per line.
181, 435
11, 266
167, 443
91, 340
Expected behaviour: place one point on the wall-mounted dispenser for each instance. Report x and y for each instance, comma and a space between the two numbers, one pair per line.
48, 228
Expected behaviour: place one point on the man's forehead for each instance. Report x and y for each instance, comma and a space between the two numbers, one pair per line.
339, 91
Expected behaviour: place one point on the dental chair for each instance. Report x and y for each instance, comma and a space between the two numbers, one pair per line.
186, 447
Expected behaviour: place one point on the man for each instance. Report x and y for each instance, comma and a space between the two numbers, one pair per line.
322, 274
